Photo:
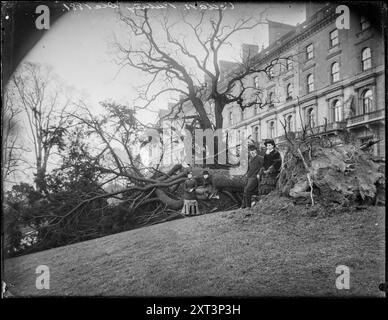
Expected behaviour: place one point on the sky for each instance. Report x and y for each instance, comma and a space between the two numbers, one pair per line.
78, 46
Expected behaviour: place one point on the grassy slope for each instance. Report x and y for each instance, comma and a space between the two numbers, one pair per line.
226, 253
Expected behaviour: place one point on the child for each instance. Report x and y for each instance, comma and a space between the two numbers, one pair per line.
190, 205
206, 189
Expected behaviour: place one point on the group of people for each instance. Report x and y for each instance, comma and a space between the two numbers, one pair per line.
192, 191
262, 172
261, 176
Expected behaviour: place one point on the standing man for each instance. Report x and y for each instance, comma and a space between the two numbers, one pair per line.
254, 166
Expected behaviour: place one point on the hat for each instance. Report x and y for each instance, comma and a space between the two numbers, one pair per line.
269, 141
252, 147
205, 172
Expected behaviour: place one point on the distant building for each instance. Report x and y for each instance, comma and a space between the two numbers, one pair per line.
167, 146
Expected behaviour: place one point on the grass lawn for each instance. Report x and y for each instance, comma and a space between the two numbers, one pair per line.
235, 253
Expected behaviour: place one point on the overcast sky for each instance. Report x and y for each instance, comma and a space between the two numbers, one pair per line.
77, 46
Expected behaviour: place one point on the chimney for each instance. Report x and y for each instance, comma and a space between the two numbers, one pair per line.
226, 67
313, 7
276, 30
248, 51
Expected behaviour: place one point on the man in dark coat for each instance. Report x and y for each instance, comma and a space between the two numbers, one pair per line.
254, 165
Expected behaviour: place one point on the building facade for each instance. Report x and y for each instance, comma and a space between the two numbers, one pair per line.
327, 78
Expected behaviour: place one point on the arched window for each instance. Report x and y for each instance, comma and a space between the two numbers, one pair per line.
310, 83
311, 117
337, 111
272, 129
256, 134
257, 82
290, 91
366, 58
288, 123
367, 100
335, 72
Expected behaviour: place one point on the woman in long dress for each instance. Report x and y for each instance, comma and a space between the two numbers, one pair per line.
271, 168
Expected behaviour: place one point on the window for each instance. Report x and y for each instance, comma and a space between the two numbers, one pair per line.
366, 58
245, 113
238, 142
271, 72
290, 91
367, 100
310, 83
364, 23
309, 52
337, 111
230, 117
334, 38
270, 99
288, 123
335, 72
311, 117
272, 129
289, 65
256, 134
256, 108
257, 82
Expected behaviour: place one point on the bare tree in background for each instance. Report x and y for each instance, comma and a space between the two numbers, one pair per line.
172, 67
45, 104
11, 148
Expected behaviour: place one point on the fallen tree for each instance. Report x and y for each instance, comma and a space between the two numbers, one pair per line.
77, 207
343, 173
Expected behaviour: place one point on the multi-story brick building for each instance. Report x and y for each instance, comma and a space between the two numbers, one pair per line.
327, 78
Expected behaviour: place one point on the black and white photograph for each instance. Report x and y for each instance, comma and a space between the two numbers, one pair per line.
193, 149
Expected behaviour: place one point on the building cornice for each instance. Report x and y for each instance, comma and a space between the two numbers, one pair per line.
292, 38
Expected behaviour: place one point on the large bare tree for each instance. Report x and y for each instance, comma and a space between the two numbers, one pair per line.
159, 47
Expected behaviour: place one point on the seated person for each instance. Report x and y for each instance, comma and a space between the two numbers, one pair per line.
206, 189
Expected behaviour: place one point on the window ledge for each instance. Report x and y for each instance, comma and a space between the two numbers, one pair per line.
333, 52
309, 66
